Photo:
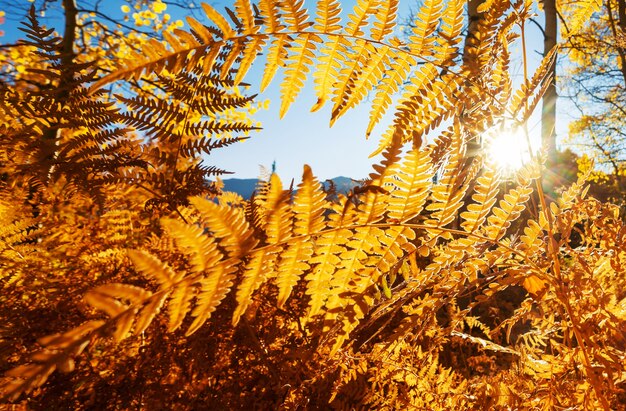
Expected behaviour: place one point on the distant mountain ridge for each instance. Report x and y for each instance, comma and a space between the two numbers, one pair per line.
246, 186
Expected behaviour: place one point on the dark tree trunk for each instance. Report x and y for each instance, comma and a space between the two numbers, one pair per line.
548, 110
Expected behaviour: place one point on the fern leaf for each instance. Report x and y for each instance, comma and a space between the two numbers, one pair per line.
367, 65
213, 289
149, 311
152, 267
192, 240
385, 20
245, 14
393, 246
275, 56
179, 304
343, 86
252, 49
124, 324
357, 20
424, 25
326, 258
308, 209
375, 202
293, 263
228, 224
233, 56
400, 67
200, 30
412, 184
278, 218
298, 62
351, 265
445, 198
453, 20
509, 209
327, 21
582, 14
483, 198
521, 97
328, 66
259, 267
295, 15
308, 205
368, 73
110, 306
328, 16
219, 20
271, 16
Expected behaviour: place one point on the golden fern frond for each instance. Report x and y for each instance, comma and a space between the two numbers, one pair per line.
385, 20
58, 353
445, 199
278, 212
351, 55
368, 70
327, 69
271, 15
328, 16
327, 21
147, 313
398, 71
328, 248
574, 191
111, 299
520, 98
411, 102
395, 244
412, 183
199, 30
221, 23
365, 66
308, 207
233, 55
351, 277
151, 57
295, 15
509, 210
484, 197
276, 54
228, 224
246, 16
450, 30
179, 304
248, 56
299, 59
533, 237
343, 87
213, 289
425, 23
293, 263
152, 267
260, 266
357, 20
193, 240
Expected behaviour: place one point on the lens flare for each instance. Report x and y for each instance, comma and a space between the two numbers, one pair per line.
507, 148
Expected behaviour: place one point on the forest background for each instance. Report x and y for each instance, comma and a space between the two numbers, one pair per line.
452, 277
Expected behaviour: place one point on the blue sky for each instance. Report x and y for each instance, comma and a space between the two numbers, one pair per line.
301, 137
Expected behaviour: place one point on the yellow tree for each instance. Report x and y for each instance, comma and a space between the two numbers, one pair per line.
596, 82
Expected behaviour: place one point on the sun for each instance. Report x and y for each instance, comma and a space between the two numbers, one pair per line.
507, 148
